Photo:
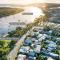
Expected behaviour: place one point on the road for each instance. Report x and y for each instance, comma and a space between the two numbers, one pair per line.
12, 55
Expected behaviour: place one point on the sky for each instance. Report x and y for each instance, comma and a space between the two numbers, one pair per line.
22, 2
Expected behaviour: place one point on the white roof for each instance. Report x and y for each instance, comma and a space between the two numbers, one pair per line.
36, 41
52, 44
37, 49
26, 47
53, 54
32, 44
50, 31
49, 58
37, 27
39, 39
58, 38
42, 35
21, 57
33, 39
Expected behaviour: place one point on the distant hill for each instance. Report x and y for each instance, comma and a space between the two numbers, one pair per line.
6, 11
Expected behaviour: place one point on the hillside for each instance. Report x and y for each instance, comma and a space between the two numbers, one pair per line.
5, 11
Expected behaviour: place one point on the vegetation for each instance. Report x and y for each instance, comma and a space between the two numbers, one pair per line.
41, 57
20, 31
40, 20
5, 48
56, 32
46, 28
9, 11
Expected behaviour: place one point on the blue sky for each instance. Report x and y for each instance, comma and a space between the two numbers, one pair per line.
27, 1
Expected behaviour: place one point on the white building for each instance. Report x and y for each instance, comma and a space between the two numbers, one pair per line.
21, 57
49, 58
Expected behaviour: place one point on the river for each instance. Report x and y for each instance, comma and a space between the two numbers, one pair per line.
31, 13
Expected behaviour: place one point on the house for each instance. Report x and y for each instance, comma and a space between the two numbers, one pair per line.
33, 39
32, 45
42, 36
32, 53
24, 49
52, 45
49, 58
50, 54
31, 58
21, 57
38, 28
37, 42
48, 37
37, 48
40, 39
27, 42
58, 39
50, 31
36, 33
53, 55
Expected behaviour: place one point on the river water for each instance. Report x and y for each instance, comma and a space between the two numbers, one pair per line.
4, 21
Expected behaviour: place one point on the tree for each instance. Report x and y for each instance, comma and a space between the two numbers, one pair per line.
41, 57
46, 28
12, 43
40, 20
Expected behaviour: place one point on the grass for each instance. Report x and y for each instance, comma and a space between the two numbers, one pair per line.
4, 11
5, 48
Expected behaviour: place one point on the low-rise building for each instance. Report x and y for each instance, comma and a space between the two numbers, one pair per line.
21, 57
24, 49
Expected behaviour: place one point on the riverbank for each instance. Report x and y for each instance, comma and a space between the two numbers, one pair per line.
6, 11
